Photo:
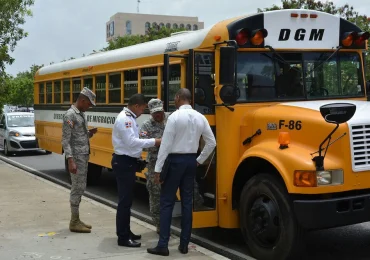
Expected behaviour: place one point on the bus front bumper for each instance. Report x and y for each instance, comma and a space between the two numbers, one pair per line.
327, 213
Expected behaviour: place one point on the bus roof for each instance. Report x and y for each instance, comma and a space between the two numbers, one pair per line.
179, 42
317, 30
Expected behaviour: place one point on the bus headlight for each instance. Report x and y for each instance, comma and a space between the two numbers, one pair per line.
323, 178
318, 178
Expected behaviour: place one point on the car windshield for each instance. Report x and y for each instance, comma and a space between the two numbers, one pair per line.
299, 76
21, 120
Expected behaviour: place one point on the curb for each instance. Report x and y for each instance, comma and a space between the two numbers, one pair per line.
217, 248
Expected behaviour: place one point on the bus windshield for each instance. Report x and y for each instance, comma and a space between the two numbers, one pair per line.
269, 76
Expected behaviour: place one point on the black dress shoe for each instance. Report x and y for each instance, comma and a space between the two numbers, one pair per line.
158, 251
134, 237
129, 243
183, 249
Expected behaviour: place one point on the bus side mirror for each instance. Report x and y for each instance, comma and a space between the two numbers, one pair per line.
227, 65
337, 113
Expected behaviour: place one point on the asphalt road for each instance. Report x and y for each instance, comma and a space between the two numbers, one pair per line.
352, 242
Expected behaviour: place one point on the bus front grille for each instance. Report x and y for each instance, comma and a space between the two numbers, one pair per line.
360, 147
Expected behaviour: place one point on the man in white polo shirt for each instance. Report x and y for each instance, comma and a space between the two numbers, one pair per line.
179, 147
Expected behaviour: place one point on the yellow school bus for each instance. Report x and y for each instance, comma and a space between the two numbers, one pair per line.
285, 94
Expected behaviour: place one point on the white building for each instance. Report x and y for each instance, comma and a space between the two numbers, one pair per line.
122, 24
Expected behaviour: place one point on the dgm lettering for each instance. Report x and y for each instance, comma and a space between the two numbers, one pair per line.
300, 34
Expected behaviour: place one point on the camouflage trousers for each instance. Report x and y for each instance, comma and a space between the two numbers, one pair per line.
154, 191
78, 181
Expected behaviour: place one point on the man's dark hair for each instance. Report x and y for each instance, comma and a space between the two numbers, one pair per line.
137, 99
184, 94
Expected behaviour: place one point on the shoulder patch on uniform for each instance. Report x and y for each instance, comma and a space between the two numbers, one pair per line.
128, 124
143, 133
70, 123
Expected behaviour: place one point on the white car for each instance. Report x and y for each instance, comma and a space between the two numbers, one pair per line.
17, 132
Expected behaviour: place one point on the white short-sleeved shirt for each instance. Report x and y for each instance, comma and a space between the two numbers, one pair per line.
183, 130
125, 135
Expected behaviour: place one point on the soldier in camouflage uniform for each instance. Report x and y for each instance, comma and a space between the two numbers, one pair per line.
154, 128
76, 146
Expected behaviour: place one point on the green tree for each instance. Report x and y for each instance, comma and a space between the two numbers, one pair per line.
346, 11
128, 40
13, 13
21, 90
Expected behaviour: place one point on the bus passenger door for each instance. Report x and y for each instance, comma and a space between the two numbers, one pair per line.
199, 67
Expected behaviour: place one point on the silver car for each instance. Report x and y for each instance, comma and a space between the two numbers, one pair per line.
17, 132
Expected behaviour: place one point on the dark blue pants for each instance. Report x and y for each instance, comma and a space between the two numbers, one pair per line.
124, 168
181, 174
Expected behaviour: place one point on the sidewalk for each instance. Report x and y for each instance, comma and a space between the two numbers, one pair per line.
34, 220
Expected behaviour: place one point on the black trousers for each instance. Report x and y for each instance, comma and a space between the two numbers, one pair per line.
181, 174
125, 168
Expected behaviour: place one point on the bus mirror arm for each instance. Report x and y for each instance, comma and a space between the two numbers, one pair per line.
334, 113
248, 140
225, 105
340, 137
319, 160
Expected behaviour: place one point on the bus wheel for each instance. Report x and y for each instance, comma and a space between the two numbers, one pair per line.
267, 221
93, 173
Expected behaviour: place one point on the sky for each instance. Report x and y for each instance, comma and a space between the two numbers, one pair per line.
60, 29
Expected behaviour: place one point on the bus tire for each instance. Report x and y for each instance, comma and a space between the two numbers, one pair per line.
93, 173
267, 221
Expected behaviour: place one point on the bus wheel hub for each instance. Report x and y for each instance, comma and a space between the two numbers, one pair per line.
264, 221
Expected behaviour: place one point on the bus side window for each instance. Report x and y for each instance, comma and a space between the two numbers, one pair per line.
49, 92
174, 85
204, 98
41, 93
130, 84
149, 79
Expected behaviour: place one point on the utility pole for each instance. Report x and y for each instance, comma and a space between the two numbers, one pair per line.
138, 3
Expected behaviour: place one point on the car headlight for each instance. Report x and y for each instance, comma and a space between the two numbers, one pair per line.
318, 178
14, 133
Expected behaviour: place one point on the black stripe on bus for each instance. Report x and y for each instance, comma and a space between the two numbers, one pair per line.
97, 108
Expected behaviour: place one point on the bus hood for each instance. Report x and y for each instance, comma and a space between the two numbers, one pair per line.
361, 116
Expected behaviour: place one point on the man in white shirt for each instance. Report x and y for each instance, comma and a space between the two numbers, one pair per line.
125, 163
179, 147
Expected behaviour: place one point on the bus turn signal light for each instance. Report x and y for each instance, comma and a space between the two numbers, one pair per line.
305, 179
258, 36
361, 38
349, 38
284, 140
241, 37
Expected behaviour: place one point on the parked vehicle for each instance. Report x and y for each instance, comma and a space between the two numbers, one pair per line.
17, 132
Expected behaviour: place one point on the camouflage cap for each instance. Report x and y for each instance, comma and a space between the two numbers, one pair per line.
89, 94
155, 105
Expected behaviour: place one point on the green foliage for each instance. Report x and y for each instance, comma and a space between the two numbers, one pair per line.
13, 13
129, 40
346, 11
19, 90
